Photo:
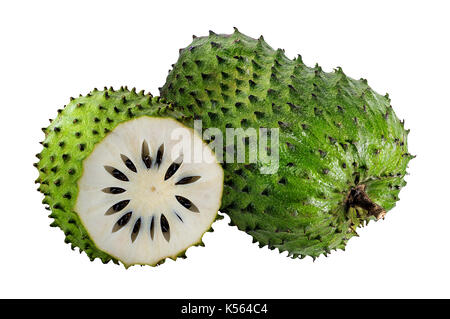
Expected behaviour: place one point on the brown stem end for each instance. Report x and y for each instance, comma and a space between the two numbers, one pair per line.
358, 198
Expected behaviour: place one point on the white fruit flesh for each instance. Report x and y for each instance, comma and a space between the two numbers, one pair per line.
162, 223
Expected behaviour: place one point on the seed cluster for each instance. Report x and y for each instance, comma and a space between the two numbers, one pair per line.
149, 164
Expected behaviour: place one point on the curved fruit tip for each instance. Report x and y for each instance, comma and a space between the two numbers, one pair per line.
338, 70
212, 33
317, 67
236, 31
182, 255
299, 59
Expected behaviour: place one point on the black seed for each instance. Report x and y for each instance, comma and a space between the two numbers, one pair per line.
113, 190
186, 203
165, 228
122, 221
117, 207
120, 205
152, 227
136, 227
172, 170
145, 154
188, 180
159, 155
128, 163
116, 173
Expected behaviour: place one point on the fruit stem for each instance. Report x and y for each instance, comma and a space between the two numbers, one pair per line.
359, 198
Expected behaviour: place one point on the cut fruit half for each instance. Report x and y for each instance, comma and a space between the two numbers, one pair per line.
142, 198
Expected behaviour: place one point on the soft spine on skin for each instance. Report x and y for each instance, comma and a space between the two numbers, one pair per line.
339, 141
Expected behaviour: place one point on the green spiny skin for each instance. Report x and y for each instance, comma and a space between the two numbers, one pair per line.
343, 151
69, 140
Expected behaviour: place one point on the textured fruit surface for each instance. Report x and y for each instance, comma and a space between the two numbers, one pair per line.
343, 151
101, 202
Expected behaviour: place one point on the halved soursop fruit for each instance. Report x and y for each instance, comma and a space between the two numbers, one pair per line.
121, 180
342, 150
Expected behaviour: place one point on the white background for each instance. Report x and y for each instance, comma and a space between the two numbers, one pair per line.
51, 50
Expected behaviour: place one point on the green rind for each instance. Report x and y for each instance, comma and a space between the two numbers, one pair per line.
69, 140
332, 129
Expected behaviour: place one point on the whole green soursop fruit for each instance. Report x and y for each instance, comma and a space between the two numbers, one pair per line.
117, 184
342, 150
